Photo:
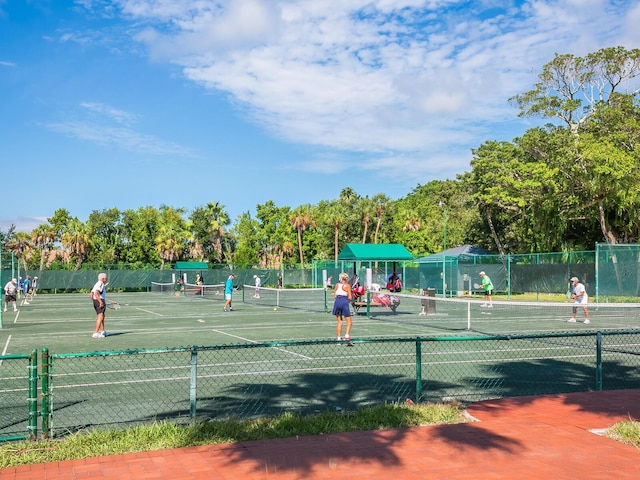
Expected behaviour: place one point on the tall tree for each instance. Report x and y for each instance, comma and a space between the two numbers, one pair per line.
77, 241
302, 218
208, 224
43, 237
598, 162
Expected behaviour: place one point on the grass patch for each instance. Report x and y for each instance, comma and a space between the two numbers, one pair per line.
627, 432
164, 435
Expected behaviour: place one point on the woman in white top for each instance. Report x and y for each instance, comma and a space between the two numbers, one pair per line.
342, 295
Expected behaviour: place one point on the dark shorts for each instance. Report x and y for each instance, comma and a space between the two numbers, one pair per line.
488, 292
98, 308
10, 298
341, 306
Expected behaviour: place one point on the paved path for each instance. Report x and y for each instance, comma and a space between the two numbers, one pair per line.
523, 438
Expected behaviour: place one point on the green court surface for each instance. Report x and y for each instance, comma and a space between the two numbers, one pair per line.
63, 323
256, 361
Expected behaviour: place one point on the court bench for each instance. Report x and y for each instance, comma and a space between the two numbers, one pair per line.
357, 305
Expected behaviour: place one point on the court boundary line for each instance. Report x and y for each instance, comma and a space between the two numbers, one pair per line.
253, 341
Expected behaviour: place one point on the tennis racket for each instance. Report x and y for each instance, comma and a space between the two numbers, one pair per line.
569, 295
477, 285
113, 305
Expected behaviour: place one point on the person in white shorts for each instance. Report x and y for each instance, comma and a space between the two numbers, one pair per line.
256, 278
580, 297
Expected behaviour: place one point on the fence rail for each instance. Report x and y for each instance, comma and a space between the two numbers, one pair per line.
121, 388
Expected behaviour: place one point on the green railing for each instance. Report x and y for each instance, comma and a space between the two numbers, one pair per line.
185, 384
18, 396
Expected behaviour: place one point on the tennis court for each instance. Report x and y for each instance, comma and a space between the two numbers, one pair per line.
262, 359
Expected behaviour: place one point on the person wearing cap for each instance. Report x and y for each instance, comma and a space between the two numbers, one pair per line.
98, 295
228, 293
487, 286
27, 288
580, 297
10, 294
258, 283
34, 287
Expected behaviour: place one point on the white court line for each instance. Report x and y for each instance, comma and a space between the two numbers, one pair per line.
6, 346
253, 341
149, 311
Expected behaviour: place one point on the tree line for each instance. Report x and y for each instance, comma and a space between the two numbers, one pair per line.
562, 186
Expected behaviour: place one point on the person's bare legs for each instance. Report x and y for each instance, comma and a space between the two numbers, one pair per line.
347, 333
99, 323
339, 326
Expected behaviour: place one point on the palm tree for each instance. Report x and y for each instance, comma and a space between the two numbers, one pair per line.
380, 204
170, 243
77, 241
22, 247
367, 210
302, 218
335, 216
43, 237
410, 219
194, 249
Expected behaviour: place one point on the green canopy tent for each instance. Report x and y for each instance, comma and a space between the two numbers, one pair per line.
372, 253
368, 252
385, 252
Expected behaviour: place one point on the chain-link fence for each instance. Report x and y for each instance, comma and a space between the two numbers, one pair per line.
121, 388
610, 273
18, 396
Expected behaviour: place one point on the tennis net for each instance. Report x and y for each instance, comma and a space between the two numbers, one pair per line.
309, 299
158, 287
504, 316
212, 292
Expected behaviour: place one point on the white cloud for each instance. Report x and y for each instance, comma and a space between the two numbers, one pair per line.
391, 77
22, 224
7, 64
110, 126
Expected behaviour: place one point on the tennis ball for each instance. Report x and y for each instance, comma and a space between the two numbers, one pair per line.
275, 309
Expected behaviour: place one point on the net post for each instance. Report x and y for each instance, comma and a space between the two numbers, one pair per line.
599, 361
469, 315
193, 382
368, 304
33, 395
46, 394
418, 370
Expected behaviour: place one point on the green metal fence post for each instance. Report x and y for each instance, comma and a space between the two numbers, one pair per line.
599, 361
326, 305
368, 304
46, 393
193, 394
418, 370
33, 395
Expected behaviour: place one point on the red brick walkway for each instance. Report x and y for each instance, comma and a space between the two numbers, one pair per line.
546, 437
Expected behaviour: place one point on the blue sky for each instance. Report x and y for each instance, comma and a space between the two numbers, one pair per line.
133, 103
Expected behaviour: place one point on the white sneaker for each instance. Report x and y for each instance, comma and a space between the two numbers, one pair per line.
95, 335
26, 303
490, 306
483, 305
572, 320
5, 309
587, 321
15, 309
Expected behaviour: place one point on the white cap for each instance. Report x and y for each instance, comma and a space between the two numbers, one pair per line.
482, 273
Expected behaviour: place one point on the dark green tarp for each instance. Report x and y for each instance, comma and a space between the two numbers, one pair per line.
368, 252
